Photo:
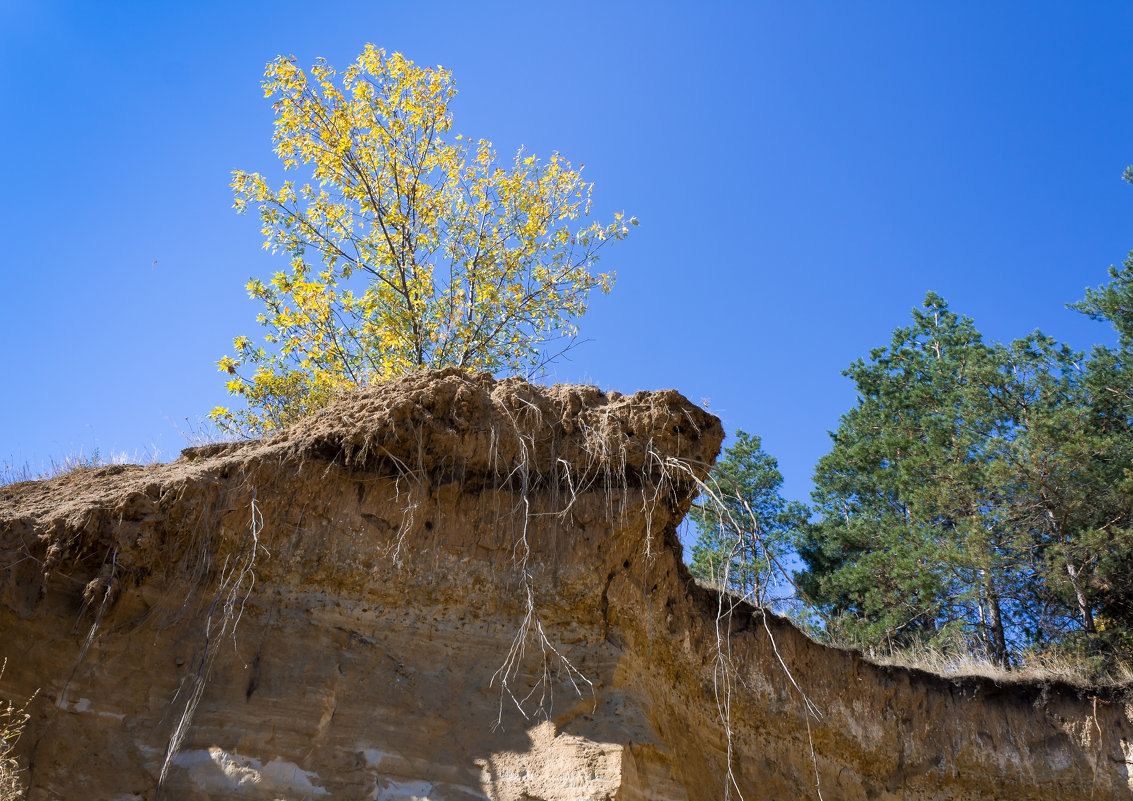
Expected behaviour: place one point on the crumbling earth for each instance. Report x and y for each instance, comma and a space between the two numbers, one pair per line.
452, 587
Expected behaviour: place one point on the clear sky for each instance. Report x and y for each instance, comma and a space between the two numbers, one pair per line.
803, 174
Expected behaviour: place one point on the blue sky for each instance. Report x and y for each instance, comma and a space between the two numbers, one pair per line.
803, 174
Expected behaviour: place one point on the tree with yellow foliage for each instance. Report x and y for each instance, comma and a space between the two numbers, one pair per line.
410, 247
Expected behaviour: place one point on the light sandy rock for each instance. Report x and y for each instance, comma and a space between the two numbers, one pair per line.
452, 587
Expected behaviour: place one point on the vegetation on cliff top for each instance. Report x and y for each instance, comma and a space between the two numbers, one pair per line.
410, 247
977, 502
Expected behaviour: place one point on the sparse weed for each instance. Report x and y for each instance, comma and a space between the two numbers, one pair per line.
12, 720
206, 432
13, 473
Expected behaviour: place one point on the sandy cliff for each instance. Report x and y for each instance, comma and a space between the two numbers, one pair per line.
457, 588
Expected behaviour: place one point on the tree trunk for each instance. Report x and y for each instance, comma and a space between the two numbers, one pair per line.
1083, 606
997, 641
1084, 610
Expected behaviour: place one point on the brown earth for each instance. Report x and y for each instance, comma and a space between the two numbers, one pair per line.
452, 587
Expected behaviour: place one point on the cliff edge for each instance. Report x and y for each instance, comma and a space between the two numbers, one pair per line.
453, 587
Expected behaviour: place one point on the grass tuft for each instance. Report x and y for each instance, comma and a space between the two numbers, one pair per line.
13, 473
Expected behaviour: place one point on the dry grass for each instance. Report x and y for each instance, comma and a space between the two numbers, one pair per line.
1078, 669
1032, 667
13, 473
12, 720
203, 432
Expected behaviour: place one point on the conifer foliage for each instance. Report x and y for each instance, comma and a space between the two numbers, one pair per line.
978, 498
747, 525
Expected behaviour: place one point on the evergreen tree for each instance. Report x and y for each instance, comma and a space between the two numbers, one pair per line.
911, 545
981, 496
745, 524
1113, 302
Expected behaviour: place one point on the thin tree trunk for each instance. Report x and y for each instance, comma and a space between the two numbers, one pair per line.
1075, 573
997, 641
995, 626
1083, 606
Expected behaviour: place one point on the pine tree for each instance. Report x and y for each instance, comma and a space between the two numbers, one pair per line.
911, 545
981, 497
744, 524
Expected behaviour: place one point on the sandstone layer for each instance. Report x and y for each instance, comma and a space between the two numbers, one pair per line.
453, 587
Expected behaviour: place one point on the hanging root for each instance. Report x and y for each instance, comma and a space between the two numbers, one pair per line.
746, 537
224, 613
108, 577
552, 661
521, 477
563, 488
409, 490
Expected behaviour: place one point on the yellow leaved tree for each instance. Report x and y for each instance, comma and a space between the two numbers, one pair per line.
409, 247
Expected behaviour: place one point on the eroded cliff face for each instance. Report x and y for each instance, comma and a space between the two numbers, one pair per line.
457, 588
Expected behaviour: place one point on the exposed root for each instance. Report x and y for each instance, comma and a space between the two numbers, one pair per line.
606, 463
235, 585
508, 673
109, 579
745, 534
552, 661
544, 455
410, 486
